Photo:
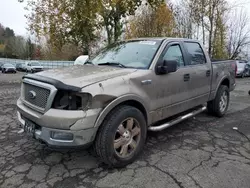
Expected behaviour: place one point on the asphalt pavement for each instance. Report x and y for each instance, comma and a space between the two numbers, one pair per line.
202, 152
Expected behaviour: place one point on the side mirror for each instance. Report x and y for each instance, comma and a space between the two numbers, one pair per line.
166, 67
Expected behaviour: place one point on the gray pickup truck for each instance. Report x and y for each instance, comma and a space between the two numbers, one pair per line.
127, 89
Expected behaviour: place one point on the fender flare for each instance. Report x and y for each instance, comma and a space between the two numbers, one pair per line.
222, 79
117, 102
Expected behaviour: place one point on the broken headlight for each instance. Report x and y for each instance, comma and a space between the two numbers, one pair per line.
66, 100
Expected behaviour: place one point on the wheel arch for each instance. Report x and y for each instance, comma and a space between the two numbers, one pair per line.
130, 100
224, 81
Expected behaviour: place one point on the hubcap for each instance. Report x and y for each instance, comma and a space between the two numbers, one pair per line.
223, 101
127, 137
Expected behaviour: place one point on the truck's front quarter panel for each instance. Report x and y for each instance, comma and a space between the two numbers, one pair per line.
110, 93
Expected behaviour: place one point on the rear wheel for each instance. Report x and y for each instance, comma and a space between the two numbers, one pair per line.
219, 105
121, 136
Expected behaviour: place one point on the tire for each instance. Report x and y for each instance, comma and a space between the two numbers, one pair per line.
108, 133
244, 74
217, 107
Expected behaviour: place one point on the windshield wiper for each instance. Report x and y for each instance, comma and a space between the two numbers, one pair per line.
113, 64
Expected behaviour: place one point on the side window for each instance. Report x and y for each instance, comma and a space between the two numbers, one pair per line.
174, 53
196, 53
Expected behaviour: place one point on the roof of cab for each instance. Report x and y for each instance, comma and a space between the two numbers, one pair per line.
164, 38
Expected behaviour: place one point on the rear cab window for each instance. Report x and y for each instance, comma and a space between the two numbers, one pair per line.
195, 53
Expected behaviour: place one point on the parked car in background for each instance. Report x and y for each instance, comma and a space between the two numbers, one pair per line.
248, 68
20, 67
241, 68
1, 64
33, 66
8, 68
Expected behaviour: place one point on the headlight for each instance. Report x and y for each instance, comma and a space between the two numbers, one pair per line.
66, 100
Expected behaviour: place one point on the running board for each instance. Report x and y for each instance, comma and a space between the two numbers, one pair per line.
177, 120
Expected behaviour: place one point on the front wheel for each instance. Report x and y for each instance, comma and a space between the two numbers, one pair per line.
219, 105
121, 136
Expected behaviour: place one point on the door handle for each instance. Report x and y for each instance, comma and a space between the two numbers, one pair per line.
186, 77
208, 73
146, 82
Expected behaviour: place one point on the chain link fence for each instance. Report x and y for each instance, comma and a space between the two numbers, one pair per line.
45, 64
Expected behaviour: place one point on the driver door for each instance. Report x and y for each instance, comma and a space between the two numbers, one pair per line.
173, 91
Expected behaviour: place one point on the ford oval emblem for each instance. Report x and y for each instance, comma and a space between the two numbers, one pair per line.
32, 94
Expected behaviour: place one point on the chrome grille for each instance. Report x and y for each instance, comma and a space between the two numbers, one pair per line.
41, 95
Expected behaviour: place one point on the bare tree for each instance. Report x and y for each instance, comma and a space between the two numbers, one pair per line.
238, 33
183, 18
150, 22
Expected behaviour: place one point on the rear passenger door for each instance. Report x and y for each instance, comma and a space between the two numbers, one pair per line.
202, 75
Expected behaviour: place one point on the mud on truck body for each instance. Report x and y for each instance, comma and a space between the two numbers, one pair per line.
124, 91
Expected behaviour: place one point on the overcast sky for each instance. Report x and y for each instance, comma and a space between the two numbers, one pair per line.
12, 14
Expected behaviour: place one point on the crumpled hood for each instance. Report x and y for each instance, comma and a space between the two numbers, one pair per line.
84, 75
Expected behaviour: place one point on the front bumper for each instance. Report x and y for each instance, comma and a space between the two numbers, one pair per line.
80, 137
80, 126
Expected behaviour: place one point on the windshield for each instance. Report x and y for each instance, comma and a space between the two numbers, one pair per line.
35, 64
133, 54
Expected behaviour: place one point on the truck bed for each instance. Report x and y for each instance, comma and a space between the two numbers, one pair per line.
220, 69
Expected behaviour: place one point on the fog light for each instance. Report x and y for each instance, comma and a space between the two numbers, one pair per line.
62, 136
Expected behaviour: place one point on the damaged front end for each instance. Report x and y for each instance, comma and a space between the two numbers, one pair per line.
68, 100
59, 115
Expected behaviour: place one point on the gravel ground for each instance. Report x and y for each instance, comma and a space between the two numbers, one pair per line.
203, 152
